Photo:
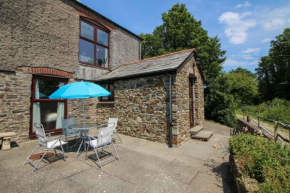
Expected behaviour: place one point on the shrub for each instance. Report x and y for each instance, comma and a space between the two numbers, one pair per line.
277, 109
263, 160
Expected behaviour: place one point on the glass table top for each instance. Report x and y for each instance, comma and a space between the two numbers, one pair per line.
85, 126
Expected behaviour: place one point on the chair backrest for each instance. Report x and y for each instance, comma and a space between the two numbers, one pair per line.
40, 133
66, 121
105, 134
115, 121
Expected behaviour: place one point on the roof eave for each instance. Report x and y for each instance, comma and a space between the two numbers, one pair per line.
86, 7
138, 75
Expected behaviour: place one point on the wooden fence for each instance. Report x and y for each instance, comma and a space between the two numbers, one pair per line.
277, 125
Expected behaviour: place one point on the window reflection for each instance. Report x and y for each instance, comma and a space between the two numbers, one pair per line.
87, 30
86, 52
46, 88
102, 37
102, 56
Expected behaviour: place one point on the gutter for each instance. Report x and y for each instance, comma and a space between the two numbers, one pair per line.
136, 75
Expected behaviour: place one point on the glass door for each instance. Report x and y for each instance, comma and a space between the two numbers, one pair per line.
46, 111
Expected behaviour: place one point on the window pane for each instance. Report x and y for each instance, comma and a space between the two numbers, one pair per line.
102, 37
111, 91
87, 30
50, 115
86, 51
44, 88
102, 56
106, 87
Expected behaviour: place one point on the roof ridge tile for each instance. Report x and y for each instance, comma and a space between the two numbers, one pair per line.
154, 57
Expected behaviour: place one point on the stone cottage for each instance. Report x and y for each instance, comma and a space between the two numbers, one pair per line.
46, 44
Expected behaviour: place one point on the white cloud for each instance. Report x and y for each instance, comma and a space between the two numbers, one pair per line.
236, 26
246, 4
274, 19
274, 23
248, 56
266, 40
231, 62
251, 51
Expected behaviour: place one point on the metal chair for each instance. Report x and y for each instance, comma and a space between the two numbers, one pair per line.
67, 121
115, 121
104, 139
47, 145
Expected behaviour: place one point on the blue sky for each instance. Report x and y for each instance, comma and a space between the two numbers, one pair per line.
245, 28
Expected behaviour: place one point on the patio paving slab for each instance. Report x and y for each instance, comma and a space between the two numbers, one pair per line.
144, 166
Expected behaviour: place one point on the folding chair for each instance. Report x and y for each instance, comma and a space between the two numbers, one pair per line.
45, 145
67, 121
104, 139
115, 121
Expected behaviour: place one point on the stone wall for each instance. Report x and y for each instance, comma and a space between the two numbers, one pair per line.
181, 119
45, 33
38, 33
245, 127
243, 183
141, 107
15, 92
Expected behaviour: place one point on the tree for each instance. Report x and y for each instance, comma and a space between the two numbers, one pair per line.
244, 71
243, 86
220, 105
273, 71
181, 31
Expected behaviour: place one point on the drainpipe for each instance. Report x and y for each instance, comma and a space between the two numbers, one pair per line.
140, 51
170, 111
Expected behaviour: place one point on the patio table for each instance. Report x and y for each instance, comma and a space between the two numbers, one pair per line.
84, 129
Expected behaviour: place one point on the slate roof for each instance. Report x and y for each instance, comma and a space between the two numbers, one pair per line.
163, 63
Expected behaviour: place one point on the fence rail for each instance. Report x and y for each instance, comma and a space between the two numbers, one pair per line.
276, 126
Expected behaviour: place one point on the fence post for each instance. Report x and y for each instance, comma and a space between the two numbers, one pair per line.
259, 122
276, 131
248, 119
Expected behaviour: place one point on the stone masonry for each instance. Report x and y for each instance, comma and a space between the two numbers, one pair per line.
15, 92
141, 106
44, 34
180, 108
41, 37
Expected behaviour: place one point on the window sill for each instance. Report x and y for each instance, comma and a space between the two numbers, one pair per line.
106, 102
94, 66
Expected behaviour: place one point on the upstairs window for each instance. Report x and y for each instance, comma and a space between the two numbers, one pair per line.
94, 45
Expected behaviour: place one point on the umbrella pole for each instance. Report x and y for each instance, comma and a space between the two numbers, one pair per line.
84, 118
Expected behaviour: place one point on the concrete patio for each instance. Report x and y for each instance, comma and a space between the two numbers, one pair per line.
144, 166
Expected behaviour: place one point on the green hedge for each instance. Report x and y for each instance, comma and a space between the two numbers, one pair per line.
277, 109
263, 160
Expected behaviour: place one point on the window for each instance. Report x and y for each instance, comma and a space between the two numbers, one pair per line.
46, 111
94, 45
110, 87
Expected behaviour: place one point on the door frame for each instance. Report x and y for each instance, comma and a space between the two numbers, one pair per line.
191, 81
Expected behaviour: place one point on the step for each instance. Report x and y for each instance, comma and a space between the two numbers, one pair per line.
202, 135
195, 129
